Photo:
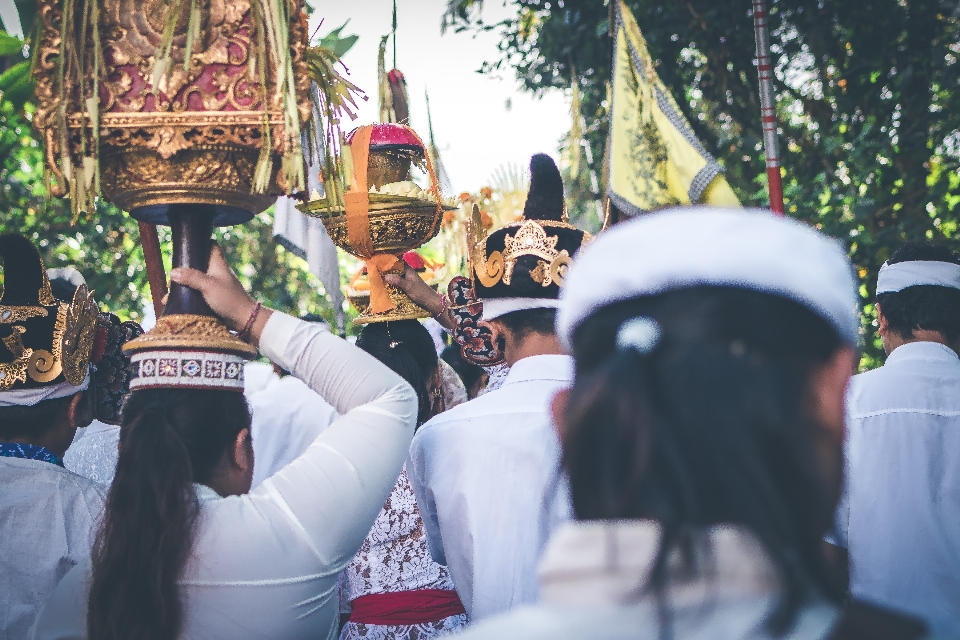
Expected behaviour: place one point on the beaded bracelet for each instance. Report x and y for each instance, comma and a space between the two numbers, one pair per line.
253, 318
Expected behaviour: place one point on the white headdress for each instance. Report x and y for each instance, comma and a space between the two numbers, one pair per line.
901, 275
686, 247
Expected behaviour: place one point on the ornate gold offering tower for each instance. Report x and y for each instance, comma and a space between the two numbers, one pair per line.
183, 113
383, 213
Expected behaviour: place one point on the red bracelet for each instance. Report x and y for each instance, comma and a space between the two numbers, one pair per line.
253, 318
445, 304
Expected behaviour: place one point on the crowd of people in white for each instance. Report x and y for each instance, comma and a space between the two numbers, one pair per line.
677, 450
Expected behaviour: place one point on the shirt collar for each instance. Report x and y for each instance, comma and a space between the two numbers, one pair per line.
29, 452
205, 493
930, 351
547, 367
608, 563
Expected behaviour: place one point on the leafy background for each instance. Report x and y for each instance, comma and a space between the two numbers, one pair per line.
867, 102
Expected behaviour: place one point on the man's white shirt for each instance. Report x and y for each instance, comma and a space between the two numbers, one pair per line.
287, 416
48, 520
487, 479
900, 517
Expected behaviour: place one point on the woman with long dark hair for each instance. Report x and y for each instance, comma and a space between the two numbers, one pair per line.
702, 436
186, 550
393, 590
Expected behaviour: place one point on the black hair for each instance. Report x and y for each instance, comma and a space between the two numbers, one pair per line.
523, 323
926, 307
407, 348
169, 439
469, 373
36, 420
710, 427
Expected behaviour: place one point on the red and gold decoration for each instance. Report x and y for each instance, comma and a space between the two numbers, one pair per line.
157, 103
383, 214
358, 289
186, 113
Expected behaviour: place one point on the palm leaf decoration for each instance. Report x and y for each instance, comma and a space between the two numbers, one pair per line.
334, 100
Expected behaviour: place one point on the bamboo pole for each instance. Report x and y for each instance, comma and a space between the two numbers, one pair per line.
150, 242
768, 106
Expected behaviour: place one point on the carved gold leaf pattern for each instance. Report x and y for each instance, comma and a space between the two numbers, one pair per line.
187, 332
405, 309
217, 102
77, 341
16, 371
9, 315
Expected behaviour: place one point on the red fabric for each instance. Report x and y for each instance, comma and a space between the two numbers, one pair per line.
388, 133
415, 260
406, 607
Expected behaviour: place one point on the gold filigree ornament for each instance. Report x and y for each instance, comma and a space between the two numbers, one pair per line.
541, 274
78, 336
531, 239
189, 332
488, 270
9, 315
45, 295
559, 266
16, 371
45, 366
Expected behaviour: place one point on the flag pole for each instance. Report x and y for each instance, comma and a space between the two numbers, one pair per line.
150, 242
768, 106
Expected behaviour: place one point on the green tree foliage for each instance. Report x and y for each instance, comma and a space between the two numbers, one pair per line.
867, 102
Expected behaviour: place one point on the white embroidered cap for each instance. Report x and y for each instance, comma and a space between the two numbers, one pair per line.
691, 246
493, 308
914, 273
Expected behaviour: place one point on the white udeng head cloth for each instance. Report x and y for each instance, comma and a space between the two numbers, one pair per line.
686, 247
915, 273
31, 397
493, 308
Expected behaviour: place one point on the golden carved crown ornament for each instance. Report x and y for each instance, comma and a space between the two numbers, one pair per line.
71, 346
531, 239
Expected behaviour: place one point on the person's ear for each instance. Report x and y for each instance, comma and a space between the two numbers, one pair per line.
829, 390
558, 410
79, 413
883, 325
243, 451
500, 335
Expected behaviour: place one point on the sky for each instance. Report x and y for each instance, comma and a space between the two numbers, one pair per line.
475, 129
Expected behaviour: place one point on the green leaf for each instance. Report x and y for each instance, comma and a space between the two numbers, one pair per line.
10, 45
16, 84
337, 44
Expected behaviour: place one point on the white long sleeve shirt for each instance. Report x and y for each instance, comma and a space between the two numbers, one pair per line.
487, 479
265, 564
48, 519
901, 519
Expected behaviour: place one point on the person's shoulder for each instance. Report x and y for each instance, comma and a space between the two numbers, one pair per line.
524, 623
543, 622
468, 410
861, 620
91, 492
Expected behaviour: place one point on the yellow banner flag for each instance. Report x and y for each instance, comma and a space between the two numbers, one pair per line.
655, 159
